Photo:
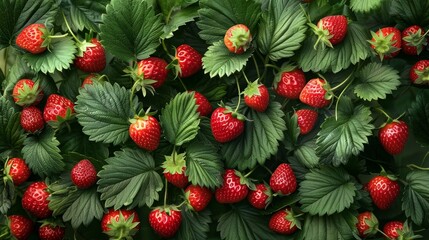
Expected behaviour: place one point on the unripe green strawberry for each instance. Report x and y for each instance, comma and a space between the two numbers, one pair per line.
35, 200
26, 92
83, 174
386, 42
20, 227
121, 223
283, 222
260, 197
315, 93
283, 180
307, 118
32, 38
367, 224
225, 127
17, 170
289, 84
383, 191
256, 96
198, 197
233, 189
165, 221
31, 119
145, 132
92, 59
419, 72
237, 38
189, 59
393, 137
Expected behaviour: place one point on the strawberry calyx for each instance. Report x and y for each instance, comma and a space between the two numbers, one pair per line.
252, 89
383, 45
167, 209
70, 114
323, 35
140, 83
407, 232
244, 180
122, 228
292, 218
175, 163
28, 95
174, 65
384, 173
234, 113
416, 39
372, 223
423, 76
240, 38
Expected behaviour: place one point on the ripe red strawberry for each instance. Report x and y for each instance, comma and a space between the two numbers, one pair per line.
189, 60
165, 221
26, 92
120, 224
393, 136
307, 118
17, 170
383, 191
330, 30
57, 108
283, 222
260, 197
145, 132
289, 84
233, 189
49, 231
197, 197
33, 38
386, 42
20, 227
91, 78
153, 68
225, 126
419, 72
315, 93
367, 224
174, 170
84, 174
283, 180
391, 229
31, 119
92, 57
35, 200
237, 38
256, 96
204, 106
413, 39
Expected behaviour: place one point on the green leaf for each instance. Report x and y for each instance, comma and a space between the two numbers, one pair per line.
59, 57
42, 154
81, 14
353, 49
419, 115
104, 110
217, 16
243, 222
70, 84
11, 134
306, 154
180, 119
129, 179
16, 14
326, 191
219, 61
204, 166
415, 201
130, 29
411, 11
260, 139
376, 81
292, 131
341, 138
7, 194
364, 6
180, 18
194, 226
84, 209
282, 29
341, 226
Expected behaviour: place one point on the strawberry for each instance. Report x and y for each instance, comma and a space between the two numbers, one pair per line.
91, 78
226, 125
145, 132
31, 119
165, 221
20, 227
383, 191
26, 92
283, 180
174, 170
153, 70
58, 108
283, 222
307, 118
34, 38
260, 197
413, 39
289, 84
315, 93
419, 72
386, 42
91, 57
330, 30
83, 174
256, 96
391, 229
237, 38
35, 200
17, 170
197, 197
233, 189
204, 106
393, 136
189, 60
367, 224
120, 224
50, 231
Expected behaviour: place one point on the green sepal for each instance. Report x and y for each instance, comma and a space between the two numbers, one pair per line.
174, 163
372, 223
383, 45
292, 218
323, 36
252, 89
417, 39
240, 38
28, 95
140, 83
245, 180
122, 228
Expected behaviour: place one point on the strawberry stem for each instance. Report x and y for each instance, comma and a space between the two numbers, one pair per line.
339, 98
272, 66
245, 77
181, 82
378, 230
256, 66
413, 166
389, 119
165, 193
250, 172
266, 168
239, 94
69, 29
424, 158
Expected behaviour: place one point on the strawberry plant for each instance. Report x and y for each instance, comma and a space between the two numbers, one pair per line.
202, 119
